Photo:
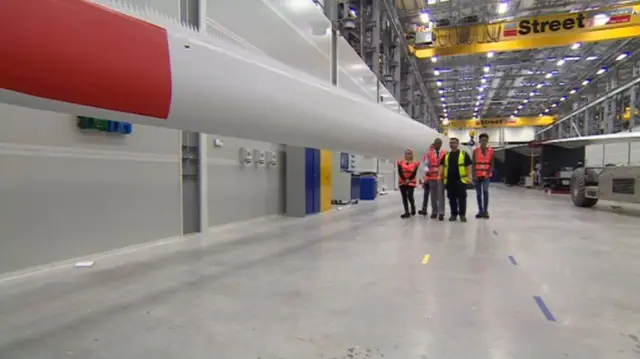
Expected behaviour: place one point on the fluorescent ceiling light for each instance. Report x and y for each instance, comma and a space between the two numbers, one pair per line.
532, 93
515, 112
436, 72
424, 18
434, 59
622, 56
483, 80
547, 110
540, 115
572, 58
480, 89
601, 71
576, 46
539, 86
586, 82
503, 7
525, 100
438, 83
563, 98
442, 98
486, 68
591, 58
561, 62
520, 107
554, 105
549, 75
573, 91
479, 97
490, 54
441, 91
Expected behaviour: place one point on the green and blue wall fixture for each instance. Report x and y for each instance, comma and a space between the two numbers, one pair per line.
96, 124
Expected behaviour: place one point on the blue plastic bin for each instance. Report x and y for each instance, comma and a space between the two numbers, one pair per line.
368, 188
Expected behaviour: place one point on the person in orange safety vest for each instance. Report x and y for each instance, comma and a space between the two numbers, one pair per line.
482, 171
432, 182
407, 181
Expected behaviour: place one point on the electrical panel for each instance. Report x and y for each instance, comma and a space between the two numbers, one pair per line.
245, 156
96, 124
352, 162
271, 158
258, 157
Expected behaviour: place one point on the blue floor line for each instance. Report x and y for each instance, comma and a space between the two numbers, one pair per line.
544, 309
513, 260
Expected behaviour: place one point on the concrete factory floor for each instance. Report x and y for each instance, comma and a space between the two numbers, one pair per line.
353, 283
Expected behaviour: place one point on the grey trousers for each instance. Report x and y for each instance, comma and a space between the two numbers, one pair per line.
436, 192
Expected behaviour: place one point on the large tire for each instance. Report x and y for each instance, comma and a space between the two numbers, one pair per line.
592, 177
578, 187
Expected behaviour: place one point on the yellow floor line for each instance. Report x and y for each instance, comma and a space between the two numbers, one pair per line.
425, 259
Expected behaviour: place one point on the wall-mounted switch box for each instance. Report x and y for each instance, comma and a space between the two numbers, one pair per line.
271, 159
245, 156
218, 143
258, 157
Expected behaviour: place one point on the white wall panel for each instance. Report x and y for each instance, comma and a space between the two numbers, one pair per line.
386, 174
613, 153
240, 192
519, 134
67, 193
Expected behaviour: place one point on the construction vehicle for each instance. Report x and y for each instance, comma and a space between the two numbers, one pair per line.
610, 181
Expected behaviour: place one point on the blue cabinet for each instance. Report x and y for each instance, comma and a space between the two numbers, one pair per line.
312, 180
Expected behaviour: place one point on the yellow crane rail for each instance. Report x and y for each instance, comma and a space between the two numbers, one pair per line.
556, 30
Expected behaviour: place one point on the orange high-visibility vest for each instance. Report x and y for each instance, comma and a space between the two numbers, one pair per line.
407, 171
434, 164
482, 162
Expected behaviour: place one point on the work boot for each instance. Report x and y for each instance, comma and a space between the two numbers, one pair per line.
463, 219
405, 215
434, 215
485, 215
453, 218
422, 212
441, 217
480, 215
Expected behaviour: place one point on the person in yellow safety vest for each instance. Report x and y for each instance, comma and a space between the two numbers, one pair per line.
456, 175
482, 171
407, 181
432, 183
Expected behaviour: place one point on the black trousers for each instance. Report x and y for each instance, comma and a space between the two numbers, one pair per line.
457, 194
407, 198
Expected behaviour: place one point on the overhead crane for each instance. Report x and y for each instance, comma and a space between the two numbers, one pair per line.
611, 23
500, 122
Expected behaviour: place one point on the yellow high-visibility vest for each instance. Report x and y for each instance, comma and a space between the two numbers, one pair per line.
461, 167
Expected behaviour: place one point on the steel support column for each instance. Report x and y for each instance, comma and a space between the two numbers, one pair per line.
195, 217
375, 62
331, 11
